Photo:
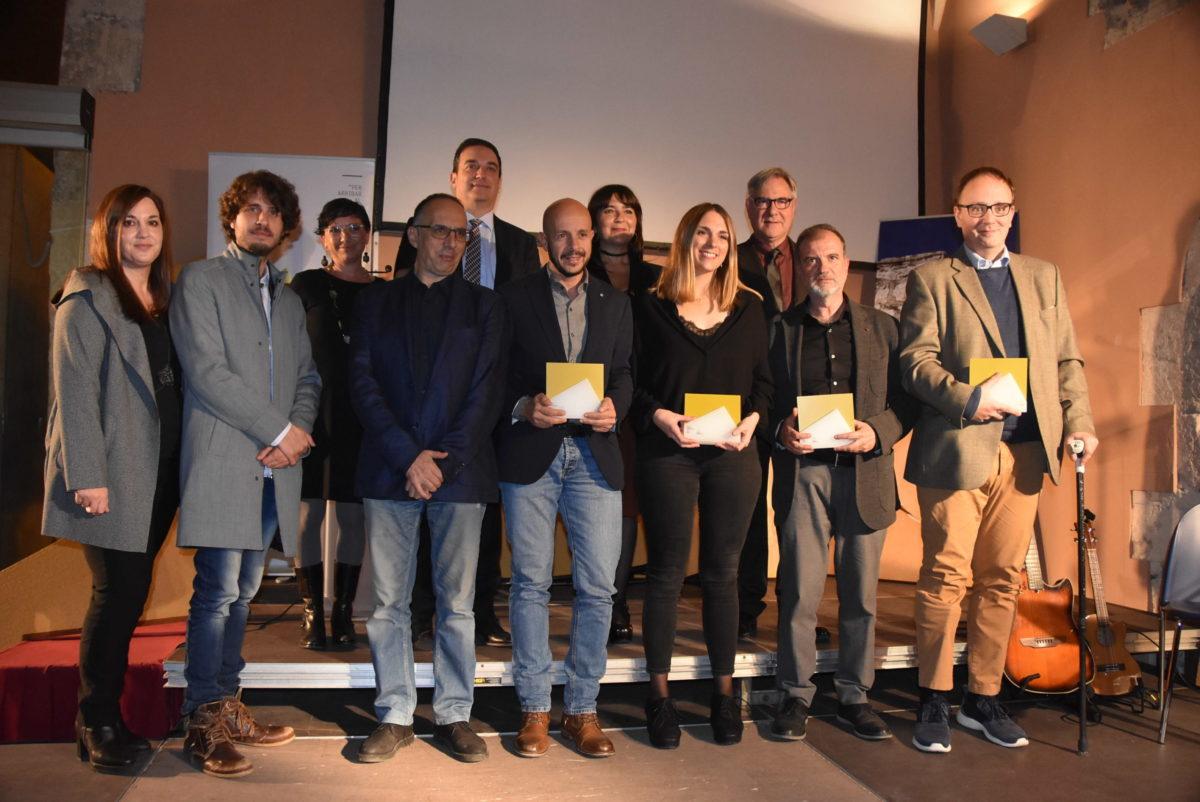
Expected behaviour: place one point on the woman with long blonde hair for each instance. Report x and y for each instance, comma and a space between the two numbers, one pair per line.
700, 330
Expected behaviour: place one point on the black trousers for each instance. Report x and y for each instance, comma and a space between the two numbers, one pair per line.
487, 573
752, 568
725, 485
120, 586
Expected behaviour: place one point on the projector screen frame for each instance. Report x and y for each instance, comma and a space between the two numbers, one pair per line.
397, 227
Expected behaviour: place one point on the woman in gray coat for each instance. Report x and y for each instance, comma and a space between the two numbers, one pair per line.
112, 448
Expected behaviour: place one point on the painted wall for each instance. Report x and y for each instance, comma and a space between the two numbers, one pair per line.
224, 75
1103, 147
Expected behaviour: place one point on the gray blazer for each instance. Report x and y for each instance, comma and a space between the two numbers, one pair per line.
879, 402
103, 428
235, 401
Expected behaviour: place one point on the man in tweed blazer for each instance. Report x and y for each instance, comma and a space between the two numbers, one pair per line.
251, 391
976, 460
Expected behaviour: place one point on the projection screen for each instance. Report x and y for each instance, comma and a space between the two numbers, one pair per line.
682, 101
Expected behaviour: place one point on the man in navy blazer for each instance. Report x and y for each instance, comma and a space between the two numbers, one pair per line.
426, 372
499, 253
550, 465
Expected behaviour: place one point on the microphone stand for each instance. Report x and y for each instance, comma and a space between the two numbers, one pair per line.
1080, 523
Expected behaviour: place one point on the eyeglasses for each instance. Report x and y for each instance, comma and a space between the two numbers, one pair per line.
980, 209
780, 203
441, 232
350, 229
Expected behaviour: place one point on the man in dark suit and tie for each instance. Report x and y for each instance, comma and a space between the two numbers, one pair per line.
426, 373
498, 253
829, 344
551, 466
764, 265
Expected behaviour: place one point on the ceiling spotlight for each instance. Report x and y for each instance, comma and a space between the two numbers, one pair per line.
1000, 33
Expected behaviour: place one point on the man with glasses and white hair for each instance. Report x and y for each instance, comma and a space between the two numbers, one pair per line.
426, 352
978, 459
765, 265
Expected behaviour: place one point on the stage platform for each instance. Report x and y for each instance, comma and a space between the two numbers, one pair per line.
275, 660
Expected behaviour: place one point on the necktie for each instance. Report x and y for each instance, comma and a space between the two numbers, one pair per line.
473, 257
768, 266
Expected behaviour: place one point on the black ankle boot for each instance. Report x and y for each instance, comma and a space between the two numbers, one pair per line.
103, 747
619, 630
341, 620
312, 592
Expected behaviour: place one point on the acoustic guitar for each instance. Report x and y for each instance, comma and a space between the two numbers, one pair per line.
1117, 673
1043, 650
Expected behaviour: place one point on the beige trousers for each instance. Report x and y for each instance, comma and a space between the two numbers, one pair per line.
974, 542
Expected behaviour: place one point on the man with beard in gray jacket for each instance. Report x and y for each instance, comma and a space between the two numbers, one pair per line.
251, 391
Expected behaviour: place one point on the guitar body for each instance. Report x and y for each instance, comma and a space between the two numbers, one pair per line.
1043, 650
1117, 673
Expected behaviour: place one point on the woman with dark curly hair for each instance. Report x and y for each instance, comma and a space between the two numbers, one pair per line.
329, 296
112, 457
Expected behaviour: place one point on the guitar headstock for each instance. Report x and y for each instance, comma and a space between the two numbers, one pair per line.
1089, 528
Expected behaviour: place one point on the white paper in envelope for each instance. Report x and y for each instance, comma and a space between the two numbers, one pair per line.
711, 428
1009, 393
577, 399
824, 428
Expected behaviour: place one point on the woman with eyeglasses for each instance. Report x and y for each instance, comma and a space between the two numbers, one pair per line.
699, 330
329, 294
617, 259
112, 449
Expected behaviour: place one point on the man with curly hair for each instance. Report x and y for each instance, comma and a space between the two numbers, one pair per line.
251, 391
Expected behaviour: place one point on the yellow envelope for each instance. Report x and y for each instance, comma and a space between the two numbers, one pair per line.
696, 405
562, 376
811, 408
983, 369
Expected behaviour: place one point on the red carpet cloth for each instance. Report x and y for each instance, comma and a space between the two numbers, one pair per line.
39, 686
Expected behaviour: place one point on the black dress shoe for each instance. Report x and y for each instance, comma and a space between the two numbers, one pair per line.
823, 635
863, 722
104, 748
620, 630
385, 742
462, 742
488, 632
662, 723
726, 719
747, 629
791, 720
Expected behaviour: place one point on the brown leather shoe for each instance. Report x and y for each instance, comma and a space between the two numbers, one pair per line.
245, 731
208, 744
533, 739
584, 730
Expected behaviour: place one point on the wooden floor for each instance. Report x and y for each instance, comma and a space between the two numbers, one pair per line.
275, 660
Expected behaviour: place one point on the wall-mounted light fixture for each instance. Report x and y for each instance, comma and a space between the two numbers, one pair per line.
1000, 33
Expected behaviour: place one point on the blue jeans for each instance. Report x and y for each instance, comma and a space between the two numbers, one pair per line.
226, 581
393, 531
591, 511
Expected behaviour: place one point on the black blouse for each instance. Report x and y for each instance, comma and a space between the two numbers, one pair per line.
642, 274
671, 360
168, 391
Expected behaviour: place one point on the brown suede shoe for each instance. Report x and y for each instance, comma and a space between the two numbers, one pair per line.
584, 730
533, 739
245, 731
208, 744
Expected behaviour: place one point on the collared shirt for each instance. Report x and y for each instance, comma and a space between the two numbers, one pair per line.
264, 291
487, 248
572, 316
826, 355
426, 311
779, 273
979, 263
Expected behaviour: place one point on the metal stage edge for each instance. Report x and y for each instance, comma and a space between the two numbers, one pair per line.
316, 675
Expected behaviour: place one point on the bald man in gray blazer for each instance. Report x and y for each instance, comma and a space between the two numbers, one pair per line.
251, 391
